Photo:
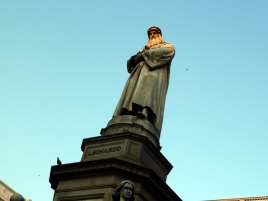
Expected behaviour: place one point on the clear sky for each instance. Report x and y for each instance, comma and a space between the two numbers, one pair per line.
63, 68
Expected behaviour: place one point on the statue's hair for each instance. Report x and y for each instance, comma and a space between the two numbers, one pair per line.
117, 191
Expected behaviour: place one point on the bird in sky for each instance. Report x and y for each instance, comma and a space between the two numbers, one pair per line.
58, 161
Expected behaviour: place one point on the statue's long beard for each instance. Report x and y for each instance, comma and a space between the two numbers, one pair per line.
155, 41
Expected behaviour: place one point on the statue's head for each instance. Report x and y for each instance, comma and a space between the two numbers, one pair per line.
16, 197
155, 36
125, 190
155, 29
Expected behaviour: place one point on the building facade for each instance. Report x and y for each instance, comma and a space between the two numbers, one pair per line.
6, 192
261, 198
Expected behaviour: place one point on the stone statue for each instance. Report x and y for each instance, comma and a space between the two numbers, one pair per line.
16, 197
124, 191
145, 92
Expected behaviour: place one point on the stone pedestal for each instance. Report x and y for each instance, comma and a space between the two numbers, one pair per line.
128, 149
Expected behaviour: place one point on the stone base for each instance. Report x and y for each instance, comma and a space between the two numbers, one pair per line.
128, 149
132, 124
126, 146
96, 181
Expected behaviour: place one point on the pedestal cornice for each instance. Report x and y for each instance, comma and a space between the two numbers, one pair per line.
112, 166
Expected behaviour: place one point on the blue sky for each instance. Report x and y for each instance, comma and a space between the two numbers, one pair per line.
63, 68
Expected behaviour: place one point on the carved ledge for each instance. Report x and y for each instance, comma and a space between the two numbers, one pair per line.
141, 176
132, 124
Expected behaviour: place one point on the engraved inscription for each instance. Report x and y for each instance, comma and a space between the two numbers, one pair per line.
104, 150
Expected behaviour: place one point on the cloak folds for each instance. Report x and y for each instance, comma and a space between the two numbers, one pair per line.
147, 84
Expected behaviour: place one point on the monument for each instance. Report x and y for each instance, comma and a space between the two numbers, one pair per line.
145, 91
127, 154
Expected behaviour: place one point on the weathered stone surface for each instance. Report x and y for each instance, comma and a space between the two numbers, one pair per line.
126, 146
133, 125
109, 159
145, 91
124, 191
127, 150
96, 180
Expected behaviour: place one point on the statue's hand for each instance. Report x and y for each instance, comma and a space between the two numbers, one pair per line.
146, 47
130, 65
133, 57
133, 61
130, 69
138, 59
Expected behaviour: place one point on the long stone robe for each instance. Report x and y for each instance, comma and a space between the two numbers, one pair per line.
147, 84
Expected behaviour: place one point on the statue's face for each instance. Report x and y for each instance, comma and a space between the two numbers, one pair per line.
153, 34
126, 191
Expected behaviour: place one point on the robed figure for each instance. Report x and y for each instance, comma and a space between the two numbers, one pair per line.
145, 92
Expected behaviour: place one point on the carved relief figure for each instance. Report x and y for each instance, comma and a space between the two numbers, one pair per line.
124, 191
145, 92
